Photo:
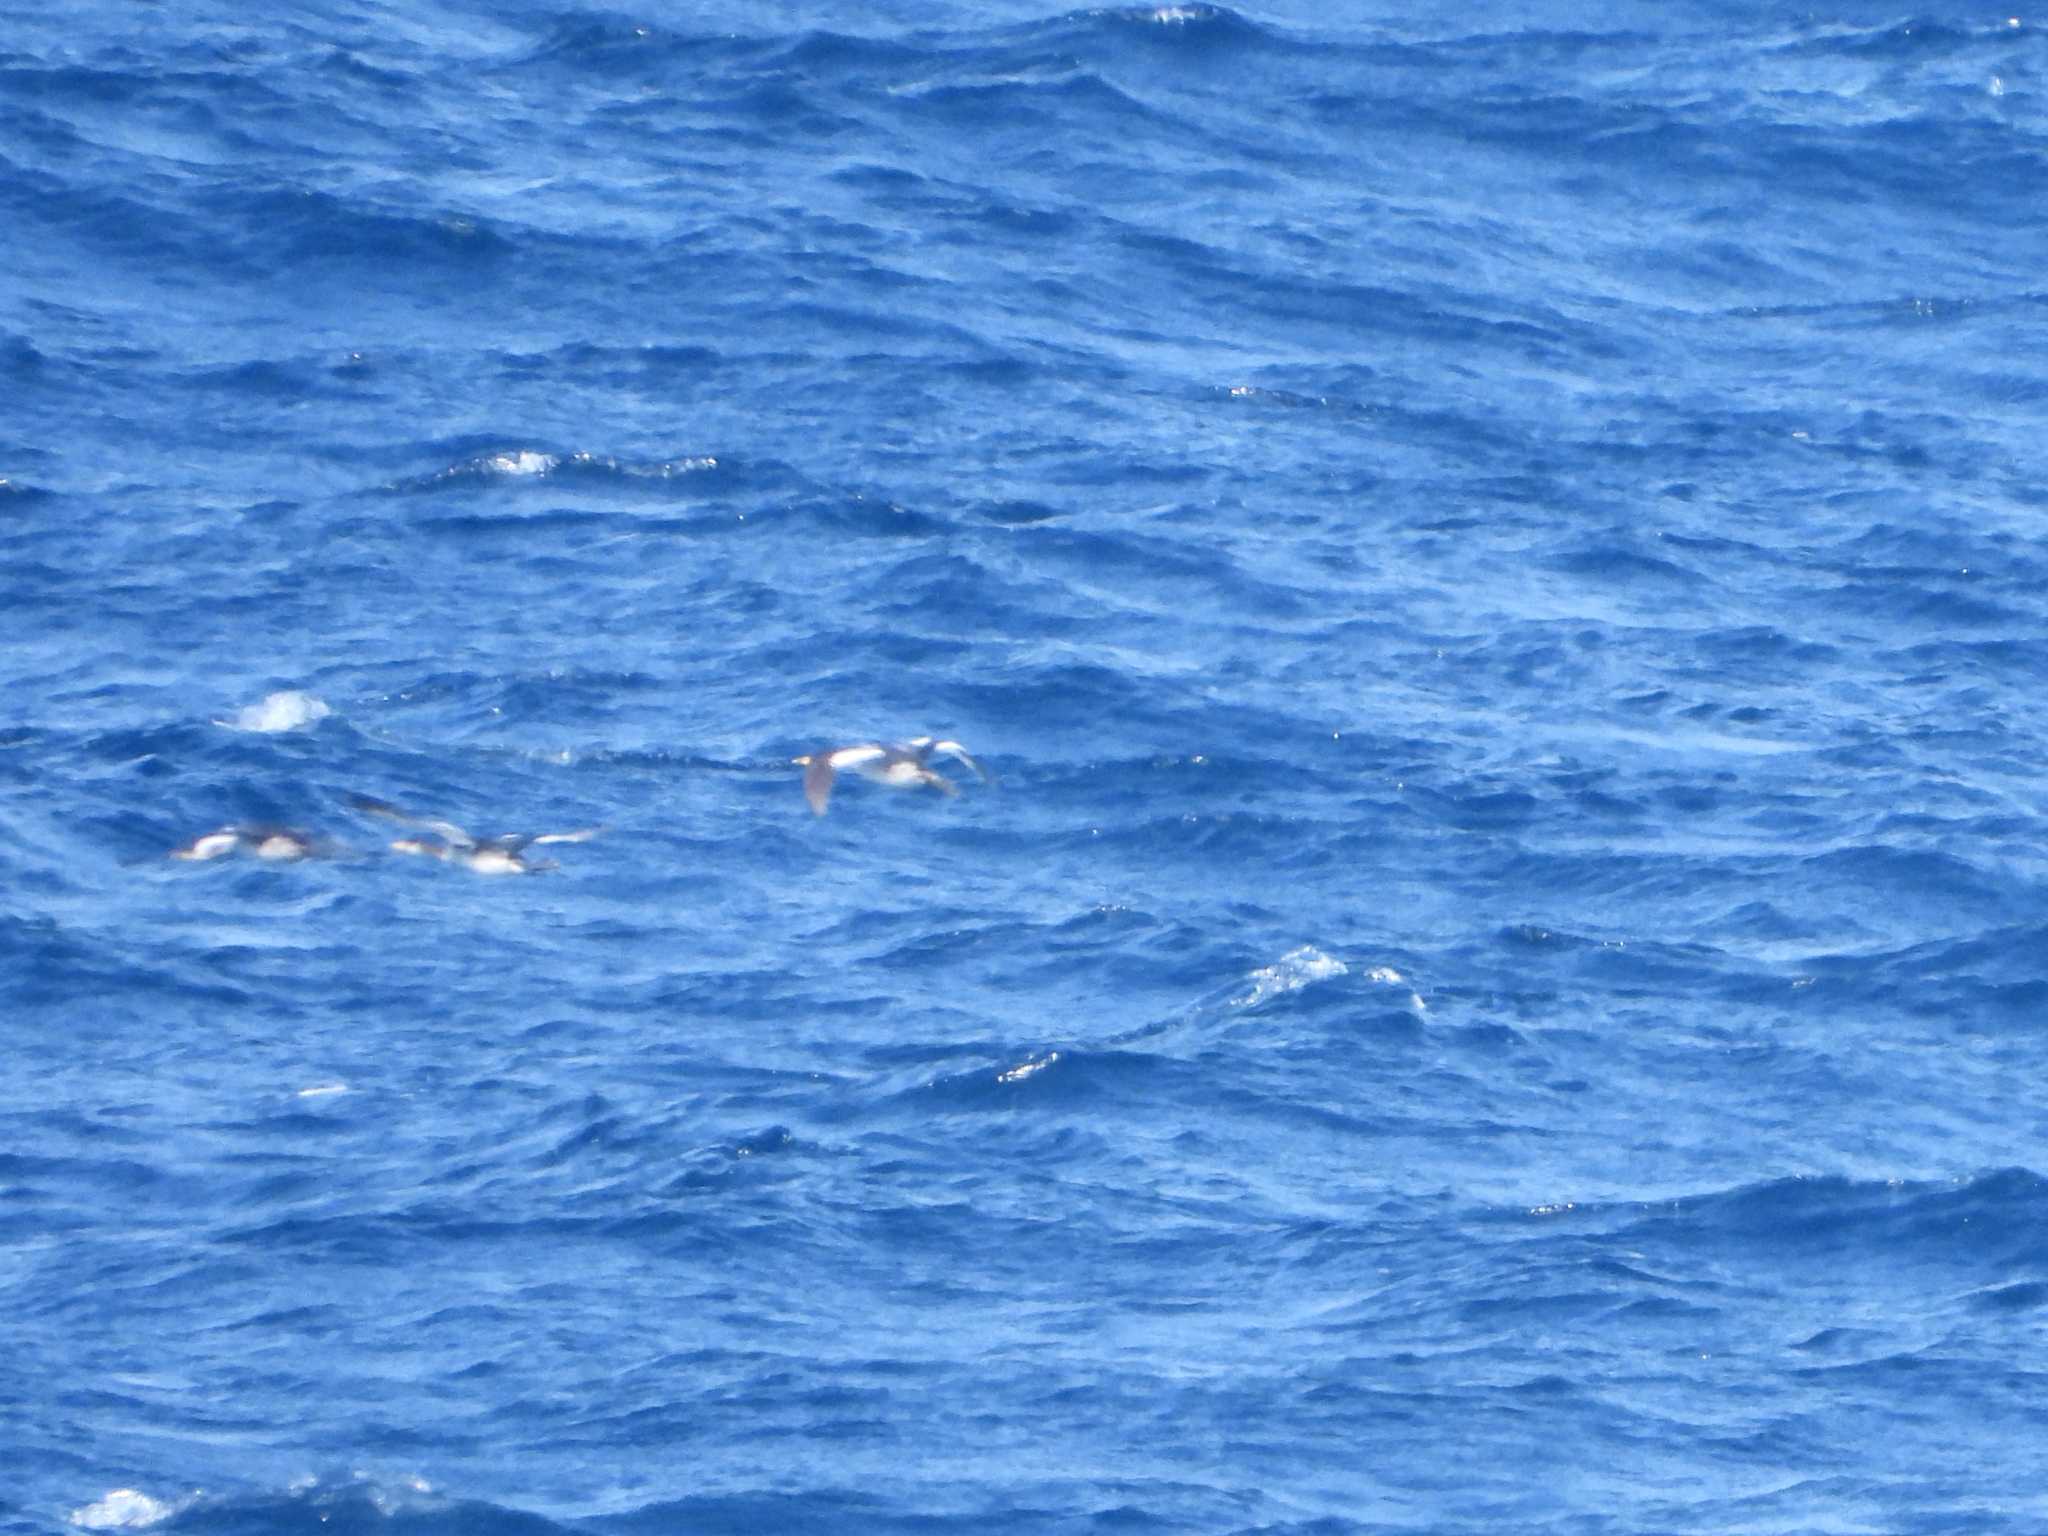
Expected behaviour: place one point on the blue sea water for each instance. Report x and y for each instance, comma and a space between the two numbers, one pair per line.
1495, 557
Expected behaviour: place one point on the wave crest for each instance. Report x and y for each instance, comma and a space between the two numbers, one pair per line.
1298, 968
123, 1509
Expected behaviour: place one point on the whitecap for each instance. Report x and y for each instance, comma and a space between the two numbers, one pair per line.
1387, 976
513, 464
1294, 970
524, 462
1024, 1069
323, 1090
666, 470
283, 711
124, 1509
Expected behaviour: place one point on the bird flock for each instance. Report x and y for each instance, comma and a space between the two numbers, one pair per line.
899, 765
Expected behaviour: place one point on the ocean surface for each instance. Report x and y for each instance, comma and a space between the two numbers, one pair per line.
1494, 560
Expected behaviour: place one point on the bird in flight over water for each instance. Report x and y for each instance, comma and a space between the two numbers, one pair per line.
504, 855
905, 765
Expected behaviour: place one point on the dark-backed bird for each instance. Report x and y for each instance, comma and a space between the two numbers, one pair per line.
505, 855
905, 765
262, 840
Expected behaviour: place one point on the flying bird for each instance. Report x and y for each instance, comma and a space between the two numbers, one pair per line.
906, 765
505, 855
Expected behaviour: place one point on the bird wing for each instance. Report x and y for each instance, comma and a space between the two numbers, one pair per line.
446, 830
580, 835
856, 757
820, 768
209, 845
818, 776
953, 749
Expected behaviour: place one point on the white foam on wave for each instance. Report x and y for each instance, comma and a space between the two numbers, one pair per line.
1294, 970
323, 1090
1024, 1069
124, 1509
286, 710
530, 463
387, 1500
1387, 976
524, 462
668, 469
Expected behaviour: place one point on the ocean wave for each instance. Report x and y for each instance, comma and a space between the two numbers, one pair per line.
1298, 968
1051, 1082
408, 1506
581, 470
1986, 1224
1497, 568
288, 709
122, 1509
